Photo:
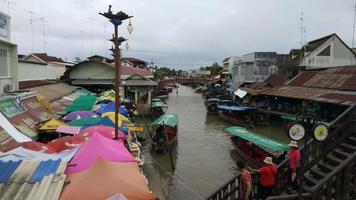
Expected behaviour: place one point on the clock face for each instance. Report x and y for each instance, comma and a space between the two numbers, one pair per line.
296, 132
321, 132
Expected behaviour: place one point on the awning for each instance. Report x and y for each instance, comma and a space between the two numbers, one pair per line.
166, 119
257, 139
112, 177
235, 108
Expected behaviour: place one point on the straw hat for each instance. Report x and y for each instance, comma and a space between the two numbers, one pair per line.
293, 144
268, 160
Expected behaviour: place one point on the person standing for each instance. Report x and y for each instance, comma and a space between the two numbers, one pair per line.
294, 165
267, 178
245, 186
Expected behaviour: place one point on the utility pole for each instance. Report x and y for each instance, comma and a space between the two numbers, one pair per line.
116, 20
8, 5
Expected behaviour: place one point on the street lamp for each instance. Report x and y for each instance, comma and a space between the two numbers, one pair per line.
116, 20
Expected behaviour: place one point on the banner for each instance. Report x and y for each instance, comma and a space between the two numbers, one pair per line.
4, 27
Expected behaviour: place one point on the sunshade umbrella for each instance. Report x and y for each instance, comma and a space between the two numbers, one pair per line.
98, 146
106, 131
113, 178
104, 101
111, 108
105, 121
84, 122
79, 115
73, 130
52, 124
111, 116
37, 146
67, 142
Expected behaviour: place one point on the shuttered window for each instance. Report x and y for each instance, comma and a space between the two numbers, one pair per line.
3, 63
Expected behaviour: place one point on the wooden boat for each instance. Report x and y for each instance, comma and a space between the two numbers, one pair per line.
165, 132
198, 90
254, 148
212, 104
242, 116
157, 109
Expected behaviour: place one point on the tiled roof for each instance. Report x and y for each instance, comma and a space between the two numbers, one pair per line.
125, 70
47, 58
31, 179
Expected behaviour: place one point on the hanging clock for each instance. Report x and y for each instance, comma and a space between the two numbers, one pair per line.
320, 132
296, 132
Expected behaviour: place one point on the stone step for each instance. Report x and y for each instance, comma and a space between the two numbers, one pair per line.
310, 180
325, 167
351, 140
347, 147
340, 153
332, 160
317, 173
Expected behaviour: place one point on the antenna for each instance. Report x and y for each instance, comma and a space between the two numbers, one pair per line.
31, 22
104, 25
8, 5
91, 35
353, 28
302, 29
42, 19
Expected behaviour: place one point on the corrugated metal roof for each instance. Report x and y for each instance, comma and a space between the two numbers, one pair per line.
342, 78
54, 91
34, 180
7, 169
314, 94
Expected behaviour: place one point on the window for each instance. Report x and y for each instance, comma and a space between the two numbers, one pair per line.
3, 63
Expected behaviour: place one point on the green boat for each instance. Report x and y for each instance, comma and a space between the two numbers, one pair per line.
158, 109
165, 131
254, 147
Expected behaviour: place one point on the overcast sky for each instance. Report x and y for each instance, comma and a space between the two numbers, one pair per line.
179, 33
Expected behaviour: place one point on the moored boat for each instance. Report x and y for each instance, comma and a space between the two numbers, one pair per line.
237, 115
165, 132
212, 104
254, 147
157, 109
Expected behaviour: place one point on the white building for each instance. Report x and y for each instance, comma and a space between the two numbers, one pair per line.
8, 57
325, 52
256, 66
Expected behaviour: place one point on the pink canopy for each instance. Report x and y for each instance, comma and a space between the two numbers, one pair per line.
106, 131
98, 146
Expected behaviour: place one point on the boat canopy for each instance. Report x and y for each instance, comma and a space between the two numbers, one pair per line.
166, 119
158, 104
156, 100
235, 108
212, 100
289, 117
260, 140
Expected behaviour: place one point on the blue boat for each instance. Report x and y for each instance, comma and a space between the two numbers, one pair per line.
241, 115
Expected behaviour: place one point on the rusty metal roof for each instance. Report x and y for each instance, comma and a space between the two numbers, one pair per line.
314, 94
342, 78
54, 91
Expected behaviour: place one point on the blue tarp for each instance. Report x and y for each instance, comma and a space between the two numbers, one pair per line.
45, 168
110, 107
7, 169
234, 108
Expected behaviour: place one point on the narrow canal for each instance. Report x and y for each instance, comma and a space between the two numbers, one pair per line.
204, 157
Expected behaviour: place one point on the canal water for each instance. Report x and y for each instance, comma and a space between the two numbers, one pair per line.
203, 158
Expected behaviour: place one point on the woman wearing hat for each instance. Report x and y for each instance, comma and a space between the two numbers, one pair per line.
267, 179
294, 164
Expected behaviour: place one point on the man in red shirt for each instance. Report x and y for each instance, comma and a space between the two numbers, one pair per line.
267, 179
245, 190
294, 164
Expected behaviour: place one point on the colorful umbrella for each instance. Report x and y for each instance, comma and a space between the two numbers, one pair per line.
98, 146
111, 108
113, 178
67, 142
106, 131
52, 124
79, 115
84, 122
111, 116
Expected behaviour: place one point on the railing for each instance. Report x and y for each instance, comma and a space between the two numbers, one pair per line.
341, 128
230, 190
340, 184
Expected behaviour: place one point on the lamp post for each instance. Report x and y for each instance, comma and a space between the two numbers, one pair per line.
116, 20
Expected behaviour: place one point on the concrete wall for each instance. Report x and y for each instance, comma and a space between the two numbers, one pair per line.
92, 71
12, 63
31, 71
